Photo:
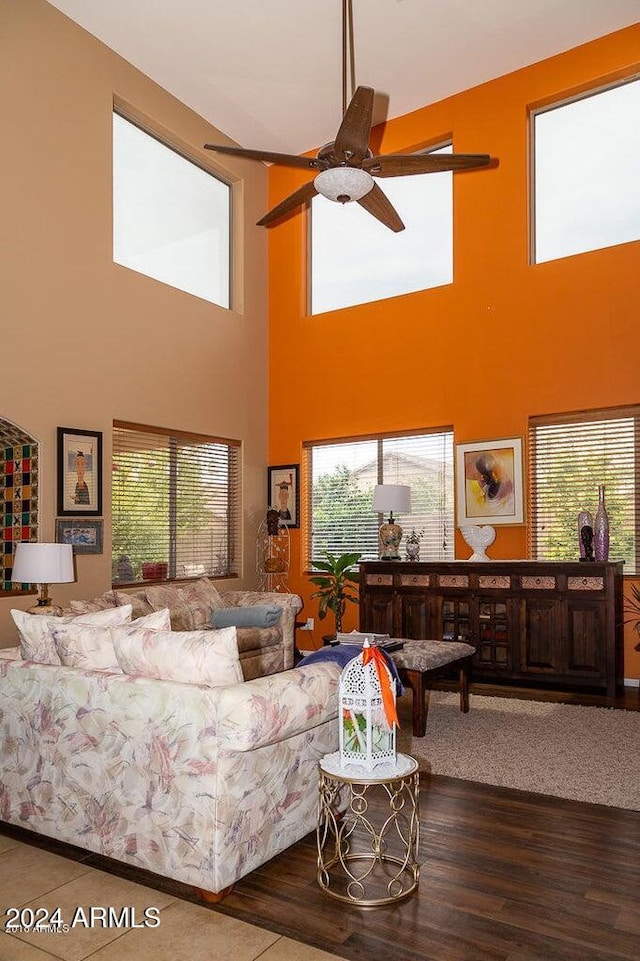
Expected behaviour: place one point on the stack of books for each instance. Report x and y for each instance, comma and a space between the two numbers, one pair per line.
358, 638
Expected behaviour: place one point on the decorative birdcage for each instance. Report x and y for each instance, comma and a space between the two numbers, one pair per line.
367, 711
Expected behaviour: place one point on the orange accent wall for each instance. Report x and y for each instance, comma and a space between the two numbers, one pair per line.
504, 341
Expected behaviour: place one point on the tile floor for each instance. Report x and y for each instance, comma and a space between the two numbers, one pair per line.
32, 878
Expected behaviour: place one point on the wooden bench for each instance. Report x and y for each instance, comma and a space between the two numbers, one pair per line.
420, 661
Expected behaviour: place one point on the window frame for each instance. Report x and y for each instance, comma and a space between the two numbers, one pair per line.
547, 107
176, 440
580, 418
445, 517
184, 150
432, 148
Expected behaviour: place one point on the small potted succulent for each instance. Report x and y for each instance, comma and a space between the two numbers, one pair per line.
336, 585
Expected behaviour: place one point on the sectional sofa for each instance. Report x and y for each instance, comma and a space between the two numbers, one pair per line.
194, 782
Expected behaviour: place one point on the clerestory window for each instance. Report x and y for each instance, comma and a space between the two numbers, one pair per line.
171, 218
354, 259
586, 189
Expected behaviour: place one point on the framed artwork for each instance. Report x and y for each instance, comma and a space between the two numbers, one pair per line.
79, 472
283, 492
489, 482
84, 536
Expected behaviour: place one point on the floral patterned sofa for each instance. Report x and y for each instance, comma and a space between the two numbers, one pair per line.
200, 784
263, 650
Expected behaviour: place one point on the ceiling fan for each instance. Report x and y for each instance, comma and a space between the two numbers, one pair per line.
345, 168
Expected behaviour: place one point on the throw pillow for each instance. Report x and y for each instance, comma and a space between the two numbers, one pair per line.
190, 604
167, 595
102, 603
91, 648
256, 616
190, 657
139, 603
36, 641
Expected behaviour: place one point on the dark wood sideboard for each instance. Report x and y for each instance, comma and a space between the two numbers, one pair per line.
546, 623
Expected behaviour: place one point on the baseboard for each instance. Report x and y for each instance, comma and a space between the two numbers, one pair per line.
632, 682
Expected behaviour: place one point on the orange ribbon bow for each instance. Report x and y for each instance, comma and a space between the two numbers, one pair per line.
375, 654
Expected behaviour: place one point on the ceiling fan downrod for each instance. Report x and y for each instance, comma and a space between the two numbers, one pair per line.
348, 54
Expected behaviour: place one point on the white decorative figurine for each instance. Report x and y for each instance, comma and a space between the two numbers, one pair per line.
479, 538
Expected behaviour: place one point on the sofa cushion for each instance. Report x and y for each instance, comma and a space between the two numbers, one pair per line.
258, 638
91, 648
259, 615
36, 640
190, 604
102, 603
139, 603
191, 657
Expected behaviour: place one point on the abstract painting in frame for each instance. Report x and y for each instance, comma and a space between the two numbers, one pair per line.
489, 482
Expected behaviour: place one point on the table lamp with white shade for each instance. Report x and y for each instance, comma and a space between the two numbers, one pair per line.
391, 497
43, 564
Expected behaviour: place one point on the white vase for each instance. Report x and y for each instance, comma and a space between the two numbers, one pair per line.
479, 538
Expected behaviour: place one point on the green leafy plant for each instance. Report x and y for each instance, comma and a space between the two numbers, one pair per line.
632, 607
336, 584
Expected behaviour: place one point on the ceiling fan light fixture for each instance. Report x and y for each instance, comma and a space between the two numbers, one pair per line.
344, 184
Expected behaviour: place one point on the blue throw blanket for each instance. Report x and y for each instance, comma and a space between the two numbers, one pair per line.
251, 616
343, 653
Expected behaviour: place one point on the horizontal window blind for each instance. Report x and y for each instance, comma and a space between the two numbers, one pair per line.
175, 503
339, 478
570, 456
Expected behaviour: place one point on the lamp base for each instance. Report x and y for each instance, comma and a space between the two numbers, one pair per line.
390, 536
46, 607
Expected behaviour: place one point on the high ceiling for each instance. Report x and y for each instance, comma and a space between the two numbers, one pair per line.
268, 72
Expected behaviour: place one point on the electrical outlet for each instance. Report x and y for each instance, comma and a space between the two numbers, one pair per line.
308, 626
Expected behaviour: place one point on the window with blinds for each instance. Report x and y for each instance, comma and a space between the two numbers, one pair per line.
175, 504
339, 477
570, 455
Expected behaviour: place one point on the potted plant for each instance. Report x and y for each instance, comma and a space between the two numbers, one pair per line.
633, 609
335, 585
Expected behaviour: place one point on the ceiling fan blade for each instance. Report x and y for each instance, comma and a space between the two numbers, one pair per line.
403, 165
377, 203
352, 140
285, 159
289, 204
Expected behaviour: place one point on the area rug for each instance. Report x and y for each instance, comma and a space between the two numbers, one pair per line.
581, 753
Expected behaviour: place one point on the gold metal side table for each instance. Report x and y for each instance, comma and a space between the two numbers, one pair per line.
368, 831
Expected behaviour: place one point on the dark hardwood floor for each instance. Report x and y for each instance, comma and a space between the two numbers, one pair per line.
505, 876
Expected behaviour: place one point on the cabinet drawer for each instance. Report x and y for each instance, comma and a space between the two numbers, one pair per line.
585, 583
538, 582
414, 580
382, 580
495, 582
453, 580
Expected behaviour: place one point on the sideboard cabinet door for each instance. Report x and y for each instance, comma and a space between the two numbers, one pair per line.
541, 646
584, 630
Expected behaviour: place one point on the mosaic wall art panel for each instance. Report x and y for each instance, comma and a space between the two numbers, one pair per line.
18, 495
